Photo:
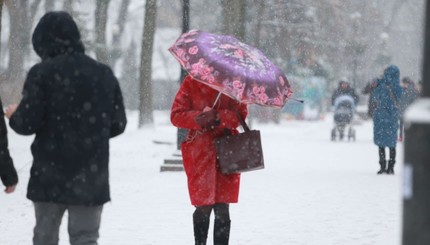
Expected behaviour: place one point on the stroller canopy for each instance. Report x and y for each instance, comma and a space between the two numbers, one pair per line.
344, 101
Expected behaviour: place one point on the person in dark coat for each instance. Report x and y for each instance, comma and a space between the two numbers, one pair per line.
409, 95
344, 89
368, 89
8, 174
73, 104
385, 119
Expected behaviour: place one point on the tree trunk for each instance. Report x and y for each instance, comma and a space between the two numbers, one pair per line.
32, 13
19, 38
260, 12
1, 16
397, 5
145, 107
49, 5
181, 134
117, 33
68, 6
129, 78
254, 110
234, 18
101, 20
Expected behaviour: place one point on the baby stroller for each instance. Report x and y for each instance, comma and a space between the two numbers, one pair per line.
344, 108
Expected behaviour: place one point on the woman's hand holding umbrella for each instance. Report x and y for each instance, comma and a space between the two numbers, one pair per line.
208, 119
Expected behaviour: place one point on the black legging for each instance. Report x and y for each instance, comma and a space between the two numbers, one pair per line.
382, 154
201, 218
221, 211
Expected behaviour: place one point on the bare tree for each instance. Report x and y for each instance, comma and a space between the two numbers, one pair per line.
234, 18
257, 31
18, 38
49, 5
109, 54
395, 9
118, 32
145, 76
129, 77
100, 28
33, 9
68, 6
1, 16
21, 14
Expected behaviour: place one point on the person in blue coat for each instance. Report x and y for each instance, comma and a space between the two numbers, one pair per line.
387, 95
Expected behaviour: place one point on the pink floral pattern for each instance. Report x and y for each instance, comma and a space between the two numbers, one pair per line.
193, 50
232, 67
202, 71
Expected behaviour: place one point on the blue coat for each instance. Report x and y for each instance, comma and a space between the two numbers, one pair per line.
386, 115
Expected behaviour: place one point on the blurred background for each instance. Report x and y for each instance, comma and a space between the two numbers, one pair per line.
316, 44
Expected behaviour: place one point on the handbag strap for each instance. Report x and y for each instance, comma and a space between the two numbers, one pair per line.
392, 96
242, 122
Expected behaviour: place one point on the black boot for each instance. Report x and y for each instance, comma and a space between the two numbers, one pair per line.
383, 165
201, 227
390, 169
221, 231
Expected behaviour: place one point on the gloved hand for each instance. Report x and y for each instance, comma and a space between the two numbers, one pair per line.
208, 119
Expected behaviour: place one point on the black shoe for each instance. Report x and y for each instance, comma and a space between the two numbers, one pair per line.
390, 169
383, 165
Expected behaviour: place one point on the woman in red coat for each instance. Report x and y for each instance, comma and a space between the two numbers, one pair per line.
207, 186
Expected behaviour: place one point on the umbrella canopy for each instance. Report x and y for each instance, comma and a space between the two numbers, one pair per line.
232, 67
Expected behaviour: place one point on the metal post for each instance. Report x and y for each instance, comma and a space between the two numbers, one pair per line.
175, 164
416, 172
182, 133
426, 66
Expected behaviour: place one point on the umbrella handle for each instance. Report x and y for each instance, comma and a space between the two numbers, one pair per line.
216, 100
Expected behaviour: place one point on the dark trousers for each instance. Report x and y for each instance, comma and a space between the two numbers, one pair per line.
83, 223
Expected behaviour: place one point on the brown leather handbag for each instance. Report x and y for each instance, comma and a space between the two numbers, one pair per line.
240, 153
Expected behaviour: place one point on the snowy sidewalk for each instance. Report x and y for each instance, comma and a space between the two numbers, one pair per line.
313, 191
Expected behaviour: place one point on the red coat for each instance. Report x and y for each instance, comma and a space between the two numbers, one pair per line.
206, 184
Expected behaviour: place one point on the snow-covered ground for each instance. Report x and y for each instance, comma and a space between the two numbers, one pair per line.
313, 191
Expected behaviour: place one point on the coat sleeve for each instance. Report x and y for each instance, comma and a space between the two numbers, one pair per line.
28, 117
118, 118
182, 114
8, 173
334, 95
356, 97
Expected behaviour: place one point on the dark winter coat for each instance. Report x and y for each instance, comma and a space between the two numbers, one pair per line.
74, 106
8, 173
409, 95
206, 184
368, 89
386, 115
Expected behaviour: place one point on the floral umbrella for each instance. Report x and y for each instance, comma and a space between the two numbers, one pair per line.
232, 67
